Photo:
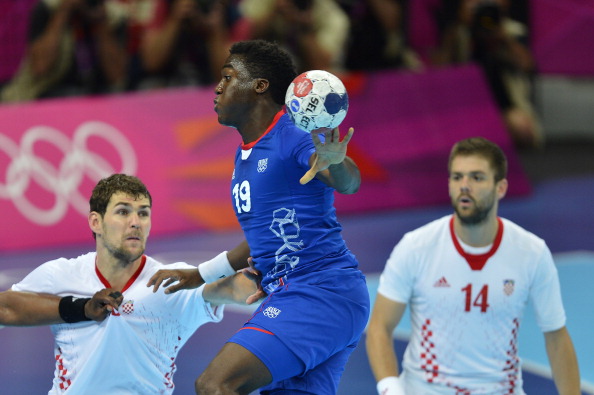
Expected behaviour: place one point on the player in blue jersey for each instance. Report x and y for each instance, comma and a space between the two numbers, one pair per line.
316, 302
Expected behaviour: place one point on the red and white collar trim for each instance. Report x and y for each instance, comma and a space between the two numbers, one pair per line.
272, 125
477, 262
130, 281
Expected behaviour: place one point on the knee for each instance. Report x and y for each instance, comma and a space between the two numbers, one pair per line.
205, 385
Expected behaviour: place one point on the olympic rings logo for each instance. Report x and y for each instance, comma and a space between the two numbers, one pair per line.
79, 160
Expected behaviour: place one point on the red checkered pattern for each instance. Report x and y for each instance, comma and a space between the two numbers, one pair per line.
512, 363
63, 372
428, 359
128, 307
169, 375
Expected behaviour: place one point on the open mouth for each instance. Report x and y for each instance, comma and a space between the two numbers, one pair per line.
465, 201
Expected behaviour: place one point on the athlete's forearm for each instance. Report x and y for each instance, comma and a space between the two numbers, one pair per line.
28, 309
382, 357
563, 362
345, 176
234, 289
238, 256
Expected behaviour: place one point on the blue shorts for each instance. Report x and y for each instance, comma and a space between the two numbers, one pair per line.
305, 331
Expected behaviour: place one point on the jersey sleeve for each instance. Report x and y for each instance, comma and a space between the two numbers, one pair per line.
546, 294
41, 279
303, 149
397, 280
191, 302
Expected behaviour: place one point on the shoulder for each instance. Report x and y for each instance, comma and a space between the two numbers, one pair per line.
152, 264
522, 242
422, 241
67, 264
59, 275
520, 235
289, 138
428, 233
286, 125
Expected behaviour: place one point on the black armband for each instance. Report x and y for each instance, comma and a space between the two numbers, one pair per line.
73, 309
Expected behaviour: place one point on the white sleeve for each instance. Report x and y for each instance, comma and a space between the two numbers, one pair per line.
191, 303
397, 280
545, 294
209, 313
41, 279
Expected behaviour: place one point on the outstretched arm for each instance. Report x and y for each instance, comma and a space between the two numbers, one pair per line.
242, 288
223, 265
31, 309
563, 362
331, 165
27, 309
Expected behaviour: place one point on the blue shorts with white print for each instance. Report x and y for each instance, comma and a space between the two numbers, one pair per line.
305, 331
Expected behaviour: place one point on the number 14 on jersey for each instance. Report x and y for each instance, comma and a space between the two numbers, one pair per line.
479, 299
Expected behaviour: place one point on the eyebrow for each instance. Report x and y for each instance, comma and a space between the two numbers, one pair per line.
473, 172
144, 206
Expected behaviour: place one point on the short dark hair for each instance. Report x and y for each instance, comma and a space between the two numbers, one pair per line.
268, 60
113, 184
482, 147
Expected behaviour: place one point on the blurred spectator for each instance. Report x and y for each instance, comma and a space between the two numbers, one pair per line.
186, 41
14, 20
377, 38
483, 32
314, 31
74, 47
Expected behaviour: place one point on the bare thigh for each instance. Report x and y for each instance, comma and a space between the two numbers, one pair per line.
234, 370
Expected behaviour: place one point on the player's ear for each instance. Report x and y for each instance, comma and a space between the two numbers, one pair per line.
262, 85
501, 188
95, 221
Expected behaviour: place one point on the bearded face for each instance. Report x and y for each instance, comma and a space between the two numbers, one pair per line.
474, 193
124, 228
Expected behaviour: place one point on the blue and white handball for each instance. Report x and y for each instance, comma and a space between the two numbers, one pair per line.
317, 99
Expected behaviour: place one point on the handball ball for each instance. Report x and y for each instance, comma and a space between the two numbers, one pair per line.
317, 99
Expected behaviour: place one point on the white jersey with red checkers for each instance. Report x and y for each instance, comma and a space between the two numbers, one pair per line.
466, 309
133, 350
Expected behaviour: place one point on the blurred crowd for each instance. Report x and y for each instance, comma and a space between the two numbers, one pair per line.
89, 47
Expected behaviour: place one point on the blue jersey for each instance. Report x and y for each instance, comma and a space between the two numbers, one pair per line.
291, 229
318, 303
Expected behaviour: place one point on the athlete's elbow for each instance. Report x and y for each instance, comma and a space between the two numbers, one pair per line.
349, 189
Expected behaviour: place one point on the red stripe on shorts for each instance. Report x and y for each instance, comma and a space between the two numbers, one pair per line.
257, 329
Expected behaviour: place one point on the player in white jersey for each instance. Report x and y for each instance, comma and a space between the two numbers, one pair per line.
467, 279
133, 351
